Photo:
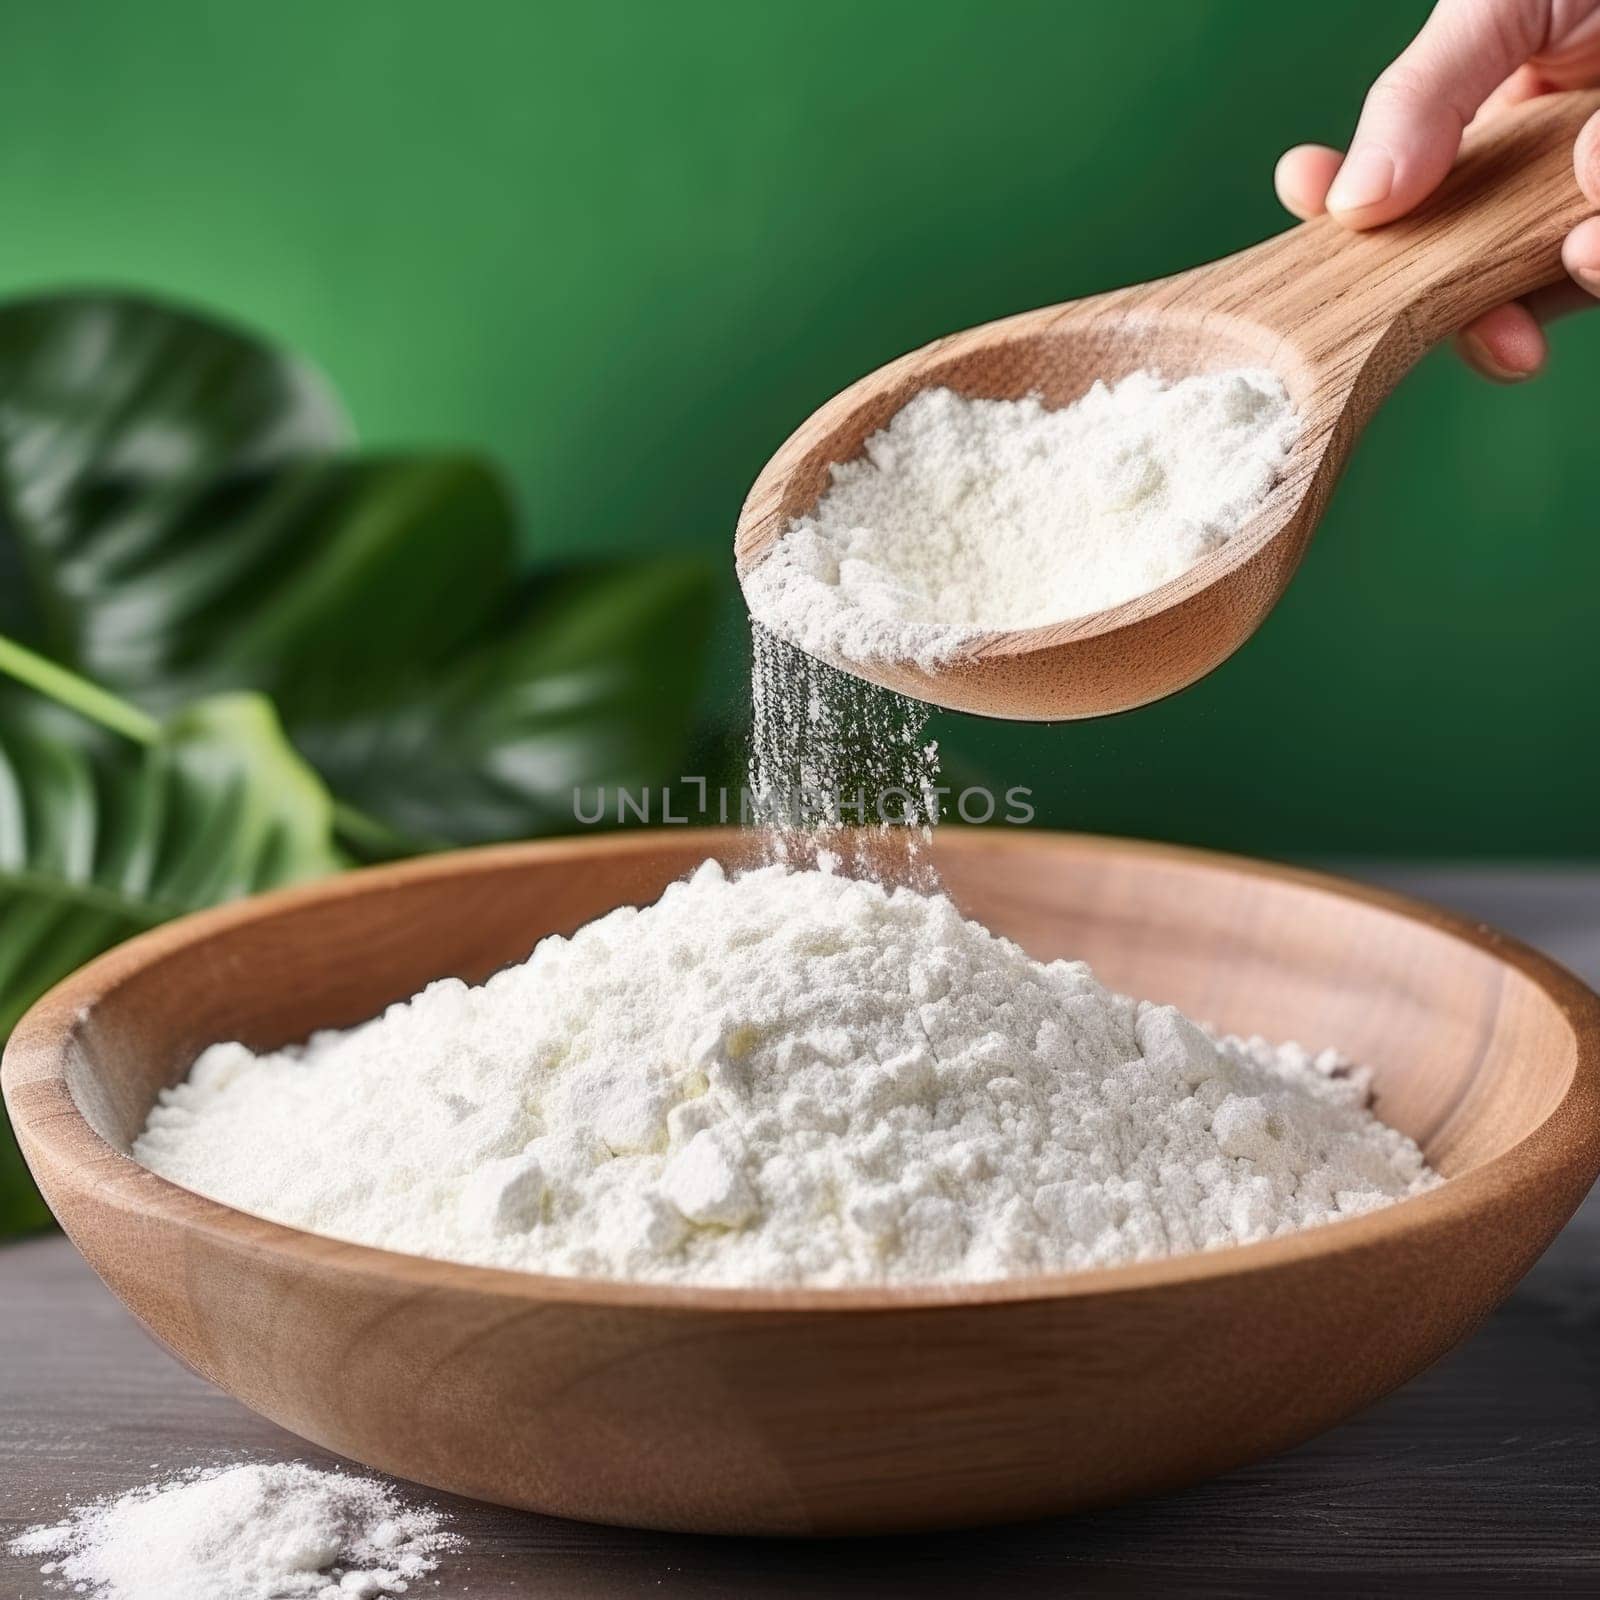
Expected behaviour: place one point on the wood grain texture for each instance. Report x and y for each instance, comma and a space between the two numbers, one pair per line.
1481, 1476
832, 1411
1339, 316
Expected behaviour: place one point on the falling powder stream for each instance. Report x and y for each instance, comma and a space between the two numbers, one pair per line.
842, 771
961, 516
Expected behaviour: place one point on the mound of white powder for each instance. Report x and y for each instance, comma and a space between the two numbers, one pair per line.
783, 1078
965, 516
279, 1531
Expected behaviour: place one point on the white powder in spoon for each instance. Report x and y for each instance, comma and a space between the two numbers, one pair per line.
274, 1531
964, 516
784, 1078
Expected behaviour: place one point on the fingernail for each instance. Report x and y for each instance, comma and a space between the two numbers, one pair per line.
1589, 277
1477, 353
1364, 180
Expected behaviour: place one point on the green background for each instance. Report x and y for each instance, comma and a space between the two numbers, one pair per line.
626, 247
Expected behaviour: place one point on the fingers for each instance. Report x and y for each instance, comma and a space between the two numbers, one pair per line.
1305, 174
1508, 344
1302, 179
1526, 83
1472, 59
1581, 256
1586, 159
1413, 117
1581, 252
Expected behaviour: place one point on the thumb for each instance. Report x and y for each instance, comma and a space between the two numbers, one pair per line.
1586, 159
1412, 121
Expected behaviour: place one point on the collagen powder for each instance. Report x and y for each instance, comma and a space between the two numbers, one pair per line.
966, 516
279, 1531
840, 765
784, 1078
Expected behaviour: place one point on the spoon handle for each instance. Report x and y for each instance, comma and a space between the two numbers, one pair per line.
1490, 233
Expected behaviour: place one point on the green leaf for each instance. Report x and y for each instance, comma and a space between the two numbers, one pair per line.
176, 515
380, 568
138, 443
179, 519
587, 681
102, 837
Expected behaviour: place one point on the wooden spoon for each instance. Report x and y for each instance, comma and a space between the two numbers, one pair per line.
1339, 316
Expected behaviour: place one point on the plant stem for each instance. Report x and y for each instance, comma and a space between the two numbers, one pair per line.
374, 839
79, 694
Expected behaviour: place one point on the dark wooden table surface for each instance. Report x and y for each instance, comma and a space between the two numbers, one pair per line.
1480, 1477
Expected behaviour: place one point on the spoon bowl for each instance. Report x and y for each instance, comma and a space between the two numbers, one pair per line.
1339, 317
827, 1411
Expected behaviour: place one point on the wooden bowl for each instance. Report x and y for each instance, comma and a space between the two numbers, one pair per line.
831, 1411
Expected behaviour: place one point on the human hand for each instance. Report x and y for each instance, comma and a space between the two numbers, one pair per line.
1472, 60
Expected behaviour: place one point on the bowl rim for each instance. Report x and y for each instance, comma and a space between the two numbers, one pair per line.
33, 1076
